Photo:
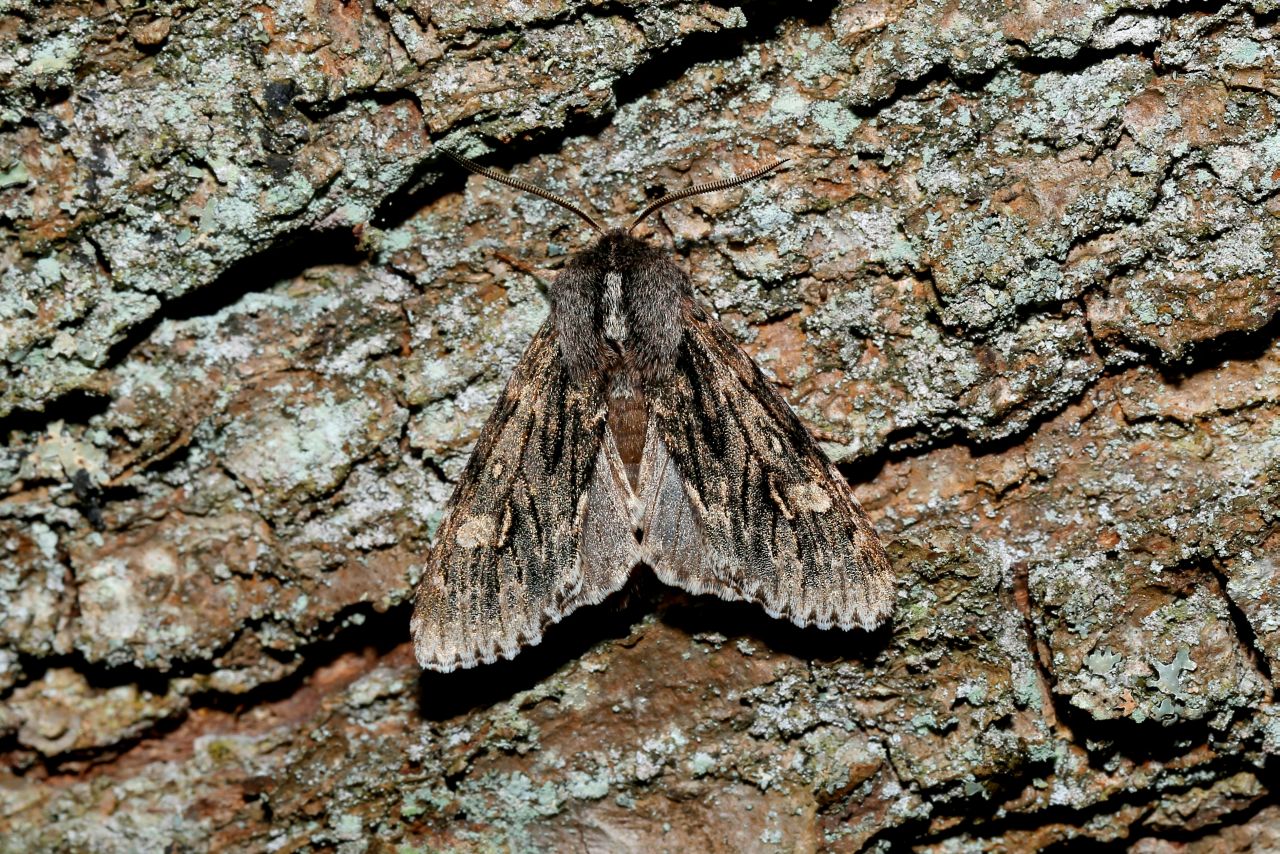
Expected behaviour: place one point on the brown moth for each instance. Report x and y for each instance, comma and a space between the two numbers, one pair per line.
634, 429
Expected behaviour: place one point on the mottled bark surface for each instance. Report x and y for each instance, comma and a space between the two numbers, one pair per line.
1021, 277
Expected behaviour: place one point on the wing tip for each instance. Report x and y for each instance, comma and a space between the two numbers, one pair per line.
445, 658
865, 616
433, 653
866, 604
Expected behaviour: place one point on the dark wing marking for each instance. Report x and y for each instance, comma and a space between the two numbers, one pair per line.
536, 526
738, 500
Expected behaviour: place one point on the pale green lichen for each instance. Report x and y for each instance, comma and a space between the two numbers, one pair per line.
15, 175
836, 119
1102, 661
1169, 675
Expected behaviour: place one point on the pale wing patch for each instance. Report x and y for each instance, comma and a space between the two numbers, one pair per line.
475, 531
810, 497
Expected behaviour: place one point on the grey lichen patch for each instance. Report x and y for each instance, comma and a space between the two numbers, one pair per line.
461, 366
936, 383
1129, 29
63, 454
124, 598
1254, 588
783, 708
60, 713
1126, 605
915, 41
1084, 107
513, 802
302, 438
133, 592
223, 177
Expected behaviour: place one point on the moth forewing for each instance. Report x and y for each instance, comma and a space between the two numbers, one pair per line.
635, 429
777, 523
509, 557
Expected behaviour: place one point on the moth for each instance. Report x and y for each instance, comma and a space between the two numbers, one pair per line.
635, 430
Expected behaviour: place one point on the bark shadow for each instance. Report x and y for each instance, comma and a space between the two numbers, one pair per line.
747, 620
442, 696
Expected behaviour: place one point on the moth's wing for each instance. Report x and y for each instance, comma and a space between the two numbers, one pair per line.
738, 499
537, 526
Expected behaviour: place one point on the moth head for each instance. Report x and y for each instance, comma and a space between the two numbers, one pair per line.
695, 190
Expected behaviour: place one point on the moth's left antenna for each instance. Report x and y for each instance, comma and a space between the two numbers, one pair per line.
699, 189
524, 185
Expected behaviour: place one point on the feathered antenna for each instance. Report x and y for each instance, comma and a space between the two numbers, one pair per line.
526, 186
699, 189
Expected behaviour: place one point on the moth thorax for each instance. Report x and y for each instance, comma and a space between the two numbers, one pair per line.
615, 318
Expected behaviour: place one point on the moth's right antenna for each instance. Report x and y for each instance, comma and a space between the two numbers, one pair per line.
524, 185
699, 189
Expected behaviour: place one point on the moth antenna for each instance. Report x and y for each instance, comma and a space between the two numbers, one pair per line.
526, 186
699, 189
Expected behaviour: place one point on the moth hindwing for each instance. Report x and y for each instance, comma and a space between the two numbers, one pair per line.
635, 429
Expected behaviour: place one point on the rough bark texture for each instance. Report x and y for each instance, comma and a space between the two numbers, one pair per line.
1021, 276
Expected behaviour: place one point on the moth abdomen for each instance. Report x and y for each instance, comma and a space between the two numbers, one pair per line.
628, 419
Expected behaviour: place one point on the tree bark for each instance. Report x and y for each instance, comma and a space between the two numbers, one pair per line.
1020, 277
